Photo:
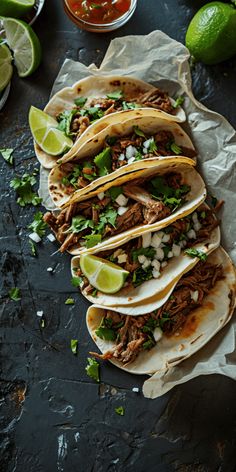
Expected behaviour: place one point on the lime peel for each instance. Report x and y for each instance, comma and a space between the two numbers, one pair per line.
104, 276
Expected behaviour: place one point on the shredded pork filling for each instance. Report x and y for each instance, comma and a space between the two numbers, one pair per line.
133, 335
103, 216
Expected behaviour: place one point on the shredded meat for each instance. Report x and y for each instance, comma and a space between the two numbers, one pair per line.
132, 217
171, 317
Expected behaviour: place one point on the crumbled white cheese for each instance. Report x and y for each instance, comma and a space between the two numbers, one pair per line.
40, 313
156, 274
51, 237
159, 254
191, 234
101, 195
130, 151
122, 258
146, 239
35, 237
176, 249
156, 241
121, 210
121, 200
194, 295
157, 334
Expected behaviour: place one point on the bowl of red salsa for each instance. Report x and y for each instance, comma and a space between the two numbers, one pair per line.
100, 15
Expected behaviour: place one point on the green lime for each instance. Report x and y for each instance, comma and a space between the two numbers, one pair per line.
211, 35
105, 276
25, 45
15, 8
47, 136
6, 68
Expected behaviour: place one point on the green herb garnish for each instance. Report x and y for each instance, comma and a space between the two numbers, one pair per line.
152, 146
143, 251
79, 223
76, 281
114, 192
38, 225
74, 346
139, 132
178, 101
196, 253
70, 301
104, 161
7, 155
175, 148
92, 369
80, 101
129, 106
15, 294
33, 248
105, 331
116, 95
120, 410
140, 275
23, 187
92, 240
64, 119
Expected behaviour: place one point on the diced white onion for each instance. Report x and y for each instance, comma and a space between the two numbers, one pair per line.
156, 264
101, 195
35, 237
176, 250
156, 274
121, 157
146, 239
40, 313
191, 234
121, 200
135, 389
157, 334
122, 258
166, 238
51, 237
170, 254
142, 259
164, 264
147, 143
132, 159
194, 217
197, 226
146, 264
159, 254
130, 151
194, 295
122, 210
49, 269
117, 253
156, 241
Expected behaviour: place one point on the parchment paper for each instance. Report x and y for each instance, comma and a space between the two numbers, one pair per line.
160, 60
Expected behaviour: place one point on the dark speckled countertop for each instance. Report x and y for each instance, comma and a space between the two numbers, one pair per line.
53, 417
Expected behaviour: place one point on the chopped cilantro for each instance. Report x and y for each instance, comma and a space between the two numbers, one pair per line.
14, 294
150, 325
143, 251
152, 146
139, 132
138, 156
7, 155
129, 106
23, 187
65, 181
103, 161
116, 95
140, 275
38, 225
105, 332
166, 250
96, 5
196, 253
64, 119
164, 318
203, 215
175, 148
42, 322
79, 223
111, 140
88, 175
80, 101
120, 410
149, 344
76, 281
94, 113
114, 192
70, 301
92, 369
178, 101
94, 293
162, 191
92, 240
74, 346
33, 248
106, 217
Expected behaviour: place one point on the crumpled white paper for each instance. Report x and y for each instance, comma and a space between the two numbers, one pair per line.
162, 61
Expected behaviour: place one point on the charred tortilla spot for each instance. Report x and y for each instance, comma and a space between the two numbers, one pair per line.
115, 83
79, 89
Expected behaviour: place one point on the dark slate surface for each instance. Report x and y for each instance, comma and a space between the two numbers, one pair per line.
53, 418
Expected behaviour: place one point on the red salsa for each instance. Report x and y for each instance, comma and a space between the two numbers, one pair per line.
99, 11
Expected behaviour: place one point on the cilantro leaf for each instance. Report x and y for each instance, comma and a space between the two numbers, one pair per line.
70, 301
15, 294
106, 217
149, 344
92, 240
129, 106
120, 410
38, 225
140, 275
92, 369
138, 156
7, 155
116, 95
74, 346
143, 251
178, 101
164, 318
111, 140
114, 192
152, 146
64, 119
80, 101
175, 148
76, 281
33, 248
96, 5
79, 223
191, 252
103, 161
94, 113
105, 330
23, 187
150, 325
139, 132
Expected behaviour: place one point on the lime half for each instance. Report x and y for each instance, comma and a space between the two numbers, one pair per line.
15, 8
25, 45
6, 68
105, 276
47, 136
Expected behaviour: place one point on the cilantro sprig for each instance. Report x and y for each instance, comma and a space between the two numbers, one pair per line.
92, 369
24, 188
7, 154
38, 225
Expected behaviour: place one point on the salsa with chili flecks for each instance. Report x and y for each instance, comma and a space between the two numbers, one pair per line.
99, 11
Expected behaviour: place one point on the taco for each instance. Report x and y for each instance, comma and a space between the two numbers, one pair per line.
78, 107
115, 151
201, 303
139, 202
153, 262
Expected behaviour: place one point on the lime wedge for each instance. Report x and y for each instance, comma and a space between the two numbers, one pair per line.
25, 45
15, 8
43, 128
105, 276
6, 68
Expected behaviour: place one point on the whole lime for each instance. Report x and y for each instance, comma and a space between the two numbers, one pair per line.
211, 35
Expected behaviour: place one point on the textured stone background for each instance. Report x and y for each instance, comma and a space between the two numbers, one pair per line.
52, 417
